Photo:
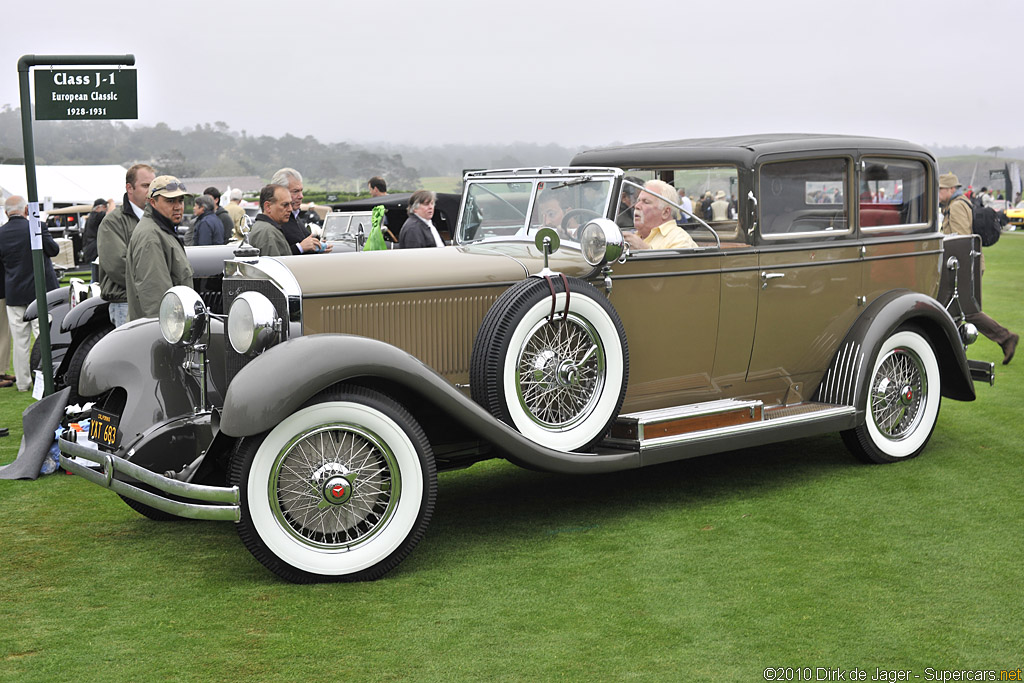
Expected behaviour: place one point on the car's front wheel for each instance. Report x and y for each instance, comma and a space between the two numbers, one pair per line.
341, 490
903, 400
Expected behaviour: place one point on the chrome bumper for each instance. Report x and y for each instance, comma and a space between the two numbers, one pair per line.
226, 498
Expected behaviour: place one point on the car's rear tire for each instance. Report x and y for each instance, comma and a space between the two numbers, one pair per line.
341, 490
902, 403
557, 379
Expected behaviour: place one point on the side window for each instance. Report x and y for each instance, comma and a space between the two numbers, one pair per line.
707, 192
892, 193
804, 197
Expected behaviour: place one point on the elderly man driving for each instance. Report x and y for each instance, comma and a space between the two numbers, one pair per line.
655, 220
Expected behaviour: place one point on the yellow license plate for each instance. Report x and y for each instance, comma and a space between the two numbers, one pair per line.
103, 428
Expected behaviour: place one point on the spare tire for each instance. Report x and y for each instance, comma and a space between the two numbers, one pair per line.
556, 373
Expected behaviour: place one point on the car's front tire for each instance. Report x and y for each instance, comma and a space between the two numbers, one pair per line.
341, 490
903, 399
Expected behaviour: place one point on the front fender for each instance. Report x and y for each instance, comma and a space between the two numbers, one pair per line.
279, 381
135, 358
846, 381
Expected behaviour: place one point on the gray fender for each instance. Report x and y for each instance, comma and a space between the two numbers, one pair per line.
846, 381
136, 358
278, 382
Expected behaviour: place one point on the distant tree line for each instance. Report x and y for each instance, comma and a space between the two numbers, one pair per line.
217, 150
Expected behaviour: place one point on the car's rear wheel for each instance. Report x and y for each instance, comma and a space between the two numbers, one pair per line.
558, 378
903, 399
341, 490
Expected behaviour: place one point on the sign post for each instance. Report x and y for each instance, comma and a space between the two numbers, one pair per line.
69, 97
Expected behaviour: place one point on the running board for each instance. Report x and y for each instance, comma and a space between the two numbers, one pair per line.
719, 420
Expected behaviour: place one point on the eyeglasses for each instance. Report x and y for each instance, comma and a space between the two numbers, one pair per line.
170, 187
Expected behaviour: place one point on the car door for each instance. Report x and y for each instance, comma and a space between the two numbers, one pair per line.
810, 274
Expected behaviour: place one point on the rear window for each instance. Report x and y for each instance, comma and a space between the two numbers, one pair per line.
892, 192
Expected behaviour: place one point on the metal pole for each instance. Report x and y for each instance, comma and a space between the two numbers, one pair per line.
24, 64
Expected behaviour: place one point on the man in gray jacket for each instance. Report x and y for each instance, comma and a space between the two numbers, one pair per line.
267, 233
156, 257
112, 241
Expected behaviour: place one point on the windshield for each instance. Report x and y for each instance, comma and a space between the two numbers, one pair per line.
509, 208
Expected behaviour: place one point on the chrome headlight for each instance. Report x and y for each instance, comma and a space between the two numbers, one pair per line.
183, 316
252, 323
600, 241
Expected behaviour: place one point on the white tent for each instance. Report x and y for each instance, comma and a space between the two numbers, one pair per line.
65, 184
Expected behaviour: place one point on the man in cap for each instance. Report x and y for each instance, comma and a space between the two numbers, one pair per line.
112, 239
156, 256
958, 219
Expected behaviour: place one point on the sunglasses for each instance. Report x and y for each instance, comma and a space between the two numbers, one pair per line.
170, 187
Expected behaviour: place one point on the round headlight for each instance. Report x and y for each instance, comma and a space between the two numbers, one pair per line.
252, 323
183, 316
600, 241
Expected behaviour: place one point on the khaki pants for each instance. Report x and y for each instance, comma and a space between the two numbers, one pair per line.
21, 333
5, 339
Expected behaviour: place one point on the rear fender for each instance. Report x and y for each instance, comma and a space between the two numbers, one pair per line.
89, 312
847, 378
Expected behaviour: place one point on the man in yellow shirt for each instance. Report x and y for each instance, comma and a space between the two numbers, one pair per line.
655, 219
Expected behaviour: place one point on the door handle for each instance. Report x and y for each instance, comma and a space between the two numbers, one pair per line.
766, 276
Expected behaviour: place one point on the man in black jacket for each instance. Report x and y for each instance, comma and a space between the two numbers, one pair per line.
295, 230
19, 281
92, 225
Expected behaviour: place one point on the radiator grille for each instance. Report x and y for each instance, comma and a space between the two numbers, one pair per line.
233, 361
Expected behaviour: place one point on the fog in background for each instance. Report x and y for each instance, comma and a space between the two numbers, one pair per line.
570, 72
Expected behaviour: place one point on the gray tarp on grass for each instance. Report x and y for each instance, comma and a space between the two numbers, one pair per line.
39, 421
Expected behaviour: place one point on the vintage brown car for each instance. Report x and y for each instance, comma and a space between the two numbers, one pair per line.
317, 413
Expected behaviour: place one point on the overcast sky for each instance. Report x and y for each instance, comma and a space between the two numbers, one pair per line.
572, 72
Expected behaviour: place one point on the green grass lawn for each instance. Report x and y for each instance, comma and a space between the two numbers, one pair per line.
793, 555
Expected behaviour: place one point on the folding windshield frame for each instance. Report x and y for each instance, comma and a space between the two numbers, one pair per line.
532, 176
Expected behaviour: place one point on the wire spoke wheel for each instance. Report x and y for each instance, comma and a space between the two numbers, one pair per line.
901, 403
335, 486
560, 371
899, 387
340, 490
550, 360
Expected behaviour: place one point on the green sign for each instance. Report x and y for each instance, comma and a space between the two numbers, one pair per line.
81, 94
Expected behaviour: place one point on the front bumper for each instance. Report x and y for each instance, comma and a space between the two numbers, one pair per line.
222, 501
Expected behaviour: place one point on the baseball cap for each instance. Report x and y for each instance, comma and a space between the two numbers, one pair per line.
167, 186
